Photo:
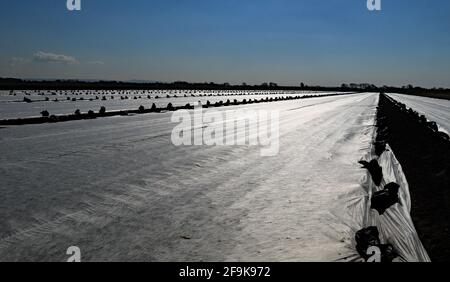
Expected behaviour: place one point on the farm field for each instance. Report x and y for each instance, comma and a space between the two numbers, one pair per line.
437, 110
121, 191
12, 105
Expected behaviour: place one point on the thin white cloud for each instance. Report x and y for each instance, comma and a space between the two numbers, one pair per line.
54, 58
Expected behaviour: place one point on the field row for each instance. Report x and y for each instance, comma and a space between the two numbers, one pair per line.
126, 101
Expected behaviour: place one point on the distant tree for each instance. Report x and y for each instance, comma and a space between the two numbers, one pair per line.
45, 113
302, 85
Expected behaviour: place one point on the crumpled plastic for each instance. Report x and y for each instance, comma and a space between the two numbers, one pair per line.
395, 225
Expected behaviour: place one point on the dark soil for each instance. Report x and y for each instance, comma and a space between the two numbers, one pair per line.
425, 158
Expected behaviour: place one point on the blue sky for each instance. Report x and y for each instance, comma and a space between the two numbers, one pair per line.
325, 42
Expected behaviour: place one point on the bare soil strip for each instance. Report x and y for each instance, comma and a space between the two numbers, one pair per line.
425, 158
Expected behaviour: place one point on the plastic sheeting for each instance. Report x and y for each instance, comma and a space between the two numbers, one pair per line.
60, 188
395, 224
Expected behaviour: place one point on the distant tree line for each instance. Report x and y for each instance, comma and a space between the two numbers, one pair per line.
20, 84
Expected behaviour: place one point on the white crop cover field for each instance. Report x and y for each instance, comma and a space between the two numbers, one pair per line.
12, 104
121, 191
